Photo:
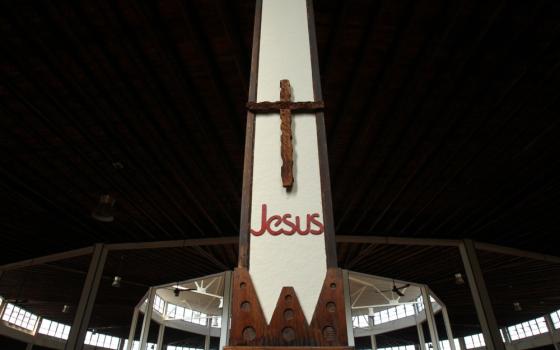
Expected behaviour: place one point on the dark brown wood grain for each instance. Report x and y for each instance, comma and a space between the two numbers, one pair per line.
288, 325
270, 107
288, 319
288, 347
286, 149
246, 311
330, 311
247, 189
326, 196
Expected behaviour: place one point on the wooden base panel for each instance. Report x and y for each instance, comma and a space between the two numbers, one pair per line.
288, 347
288, 326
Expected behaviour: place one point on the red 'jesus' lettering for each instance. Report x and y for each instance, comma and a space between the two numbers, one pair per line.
288, 225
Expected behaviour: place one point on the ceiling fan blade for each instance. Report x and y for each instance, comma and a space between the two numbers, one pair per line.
399, 293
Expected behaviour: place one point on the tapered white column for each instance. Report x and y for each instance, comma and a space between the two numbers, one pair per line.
448, 330
429, 310
226, 310
552, 331
161, 333
147, 319
84, 309
132, 331
481, 298
421, 339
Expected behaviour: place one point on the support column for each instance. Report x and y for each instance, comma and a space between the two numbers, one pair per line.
481, 299
507, 337
462, 344
373, 342
147, 319
552, 331
226, 308
87, 299
421, 339
160, 335
132, 331
348, 307
448, 330
207, 335
429, 311
29, 346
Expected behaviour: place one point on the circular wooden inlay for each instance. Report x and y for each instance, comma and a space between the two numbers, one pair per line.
331, 307
288, 334
242, 285
249, 334
245, 306
333, 285
288, 314
288, 299
329, 333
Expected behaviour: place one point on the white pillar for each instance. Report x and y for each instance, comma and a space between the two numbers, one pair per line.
373, 342
226, 310
132, 331
87, 299
207, 335
421, 339
348, 307
147, 319
429, 311
160, 335
552, 331
462, 344
479, 292
448, 330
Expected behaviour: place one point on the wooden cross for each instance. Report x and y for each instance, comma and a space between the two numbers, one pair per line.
285, 106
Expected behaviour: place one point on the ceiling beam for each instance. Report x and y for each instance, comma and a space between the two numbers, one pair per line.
174, 244
48, 258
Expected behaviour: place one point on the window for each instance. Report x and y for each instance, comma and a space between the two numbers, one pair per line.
171, 347
19, 317
360, 321
474, 341
387, 315
444, 344
54, 329
159, 304
402, 347
102, 340
555, 316
176, 312
216, 321
528, 328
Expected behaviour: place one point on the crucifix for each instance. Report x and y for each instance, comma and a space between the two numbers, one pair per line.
286, 107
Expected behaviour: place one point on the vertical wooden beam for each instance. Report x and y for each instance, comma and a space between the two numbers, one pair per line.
247, 190
326, 196
481, 298
87, 299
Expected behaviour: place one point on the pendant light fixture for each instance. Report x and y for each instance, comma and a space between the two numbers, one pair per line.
104, 211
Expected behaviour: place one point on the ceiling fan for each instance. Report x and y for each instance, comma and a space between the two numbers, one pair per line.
177, 290
397, 290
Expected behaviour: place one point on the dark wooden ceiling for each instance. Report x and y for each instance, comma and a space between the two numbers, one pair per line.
440, 117
442, 121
